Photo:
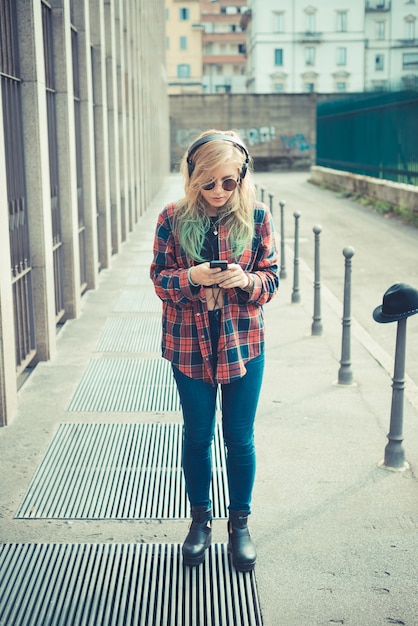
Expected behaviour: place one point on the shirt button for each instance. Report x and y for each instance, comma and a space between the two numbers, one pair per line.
197, 314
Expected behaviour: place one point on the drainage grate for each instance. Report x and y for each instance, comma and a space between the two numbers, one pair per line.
122, 585
131, 334
127, 385
138, 301
118, 471
124, 384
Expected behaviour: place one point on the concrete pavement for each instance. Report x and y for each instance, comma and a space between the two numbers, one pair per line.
335, 533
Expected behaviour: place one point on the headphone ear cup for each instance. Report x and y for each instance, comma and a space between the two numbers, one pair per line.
190, 167
243, 171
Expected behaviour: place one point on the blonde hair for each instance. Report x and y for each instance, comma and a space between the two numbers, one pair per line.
192, 221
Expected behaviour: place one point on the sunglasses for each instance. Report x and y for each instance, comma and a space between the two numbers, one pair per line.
229, 184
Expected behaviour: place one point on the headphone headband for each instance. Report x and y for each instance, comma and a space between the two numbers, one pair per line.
218, 137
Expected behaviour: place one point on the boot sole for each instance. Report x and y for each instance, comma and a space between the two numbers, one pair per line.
193, 561
248, 566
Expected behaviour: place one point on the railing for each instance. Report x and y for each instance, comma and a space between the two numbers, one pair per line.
374, 135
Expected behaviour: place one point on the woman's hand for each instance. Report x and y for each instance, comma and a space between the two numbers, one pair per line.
204, 275
234, 276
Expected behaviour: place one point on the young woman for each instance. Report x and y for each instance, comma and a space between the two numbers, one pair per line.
213, 329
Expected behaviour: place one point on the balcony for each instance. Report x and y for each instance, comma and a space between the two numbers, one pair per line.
231, 37
406, 43
309, 37
377, 5
222, 59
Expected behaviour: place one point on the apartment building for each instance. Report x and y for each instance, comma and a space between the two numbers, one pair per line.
205, 46
224, 46
183, 46
296, 46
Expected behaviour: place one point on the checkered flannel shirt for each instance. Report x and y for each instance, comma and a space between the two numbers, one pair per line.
185, 323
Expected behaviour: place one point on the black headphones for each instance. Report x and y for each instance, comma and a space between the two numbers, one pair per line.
200, 142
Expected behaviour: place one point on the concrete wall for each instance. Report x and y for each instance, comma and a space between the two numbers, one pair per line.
279, 129
397, 195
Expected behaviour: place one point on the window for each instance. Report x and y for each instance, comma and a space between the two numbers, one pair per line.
167, 43
380, 30
183, 70
278, 87
410, 28
342, 21
379, 62
310, 55
183, 43
278, 56
341, 87
278, 22
309, 87
183, 14
341, 56
310, 22
410, 60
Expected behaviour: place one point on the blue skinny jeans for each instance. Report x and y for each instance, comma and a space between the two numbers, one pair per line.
239, 406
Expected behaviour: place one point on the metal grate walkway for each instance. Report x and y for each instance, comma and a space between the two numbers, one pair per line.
138, 301
118, 471
126, 384
131, 335
122, 585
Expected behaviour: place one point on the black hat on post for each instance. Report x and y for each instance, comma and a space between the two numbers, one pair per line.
399, 301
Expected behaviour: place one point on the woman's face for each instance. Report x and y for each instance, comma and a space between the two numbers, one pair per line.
217, 197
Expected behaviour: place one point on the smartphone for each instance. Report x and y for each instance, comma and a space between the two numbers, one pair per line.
219, 263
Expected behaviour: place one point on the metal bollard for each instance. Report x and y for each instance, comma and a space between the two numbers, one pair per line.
317, 323
394, 451
283, 273
271, 196
262, 194
345, 374
295, 292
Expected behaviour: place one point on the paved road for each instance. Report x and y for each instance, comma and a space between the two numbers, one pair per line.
386, 251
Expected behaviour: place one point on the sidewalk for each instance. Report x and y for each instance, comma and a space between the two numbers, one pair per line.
335, 533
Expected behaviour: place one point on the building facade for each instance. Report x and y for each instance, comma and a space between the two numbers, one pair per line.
224, 46
84, 146
294, 46
205, 46
184, 32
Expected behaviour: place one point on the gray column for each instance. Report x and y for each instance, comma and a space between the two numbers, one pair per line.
122, 116
112, 121
8, 388
97, 27
38, 195
67, 174
82, 23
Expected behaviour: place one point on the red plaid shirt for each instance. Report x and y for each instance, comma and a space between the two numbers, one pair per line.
186, 338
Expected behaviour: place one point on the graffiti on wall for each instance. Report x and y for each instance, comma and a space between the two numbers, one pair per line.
252, 137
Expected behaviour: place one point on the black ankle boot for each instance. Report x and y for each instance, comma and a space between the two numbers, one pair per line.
199, 536
240, 544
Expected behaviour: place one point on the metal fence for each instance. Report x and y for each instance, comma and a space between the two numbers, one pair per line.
20, 261
370, 134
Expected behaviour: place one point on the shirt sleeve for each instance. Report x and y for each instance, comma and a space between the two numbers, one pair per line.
168, 269
265, 270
